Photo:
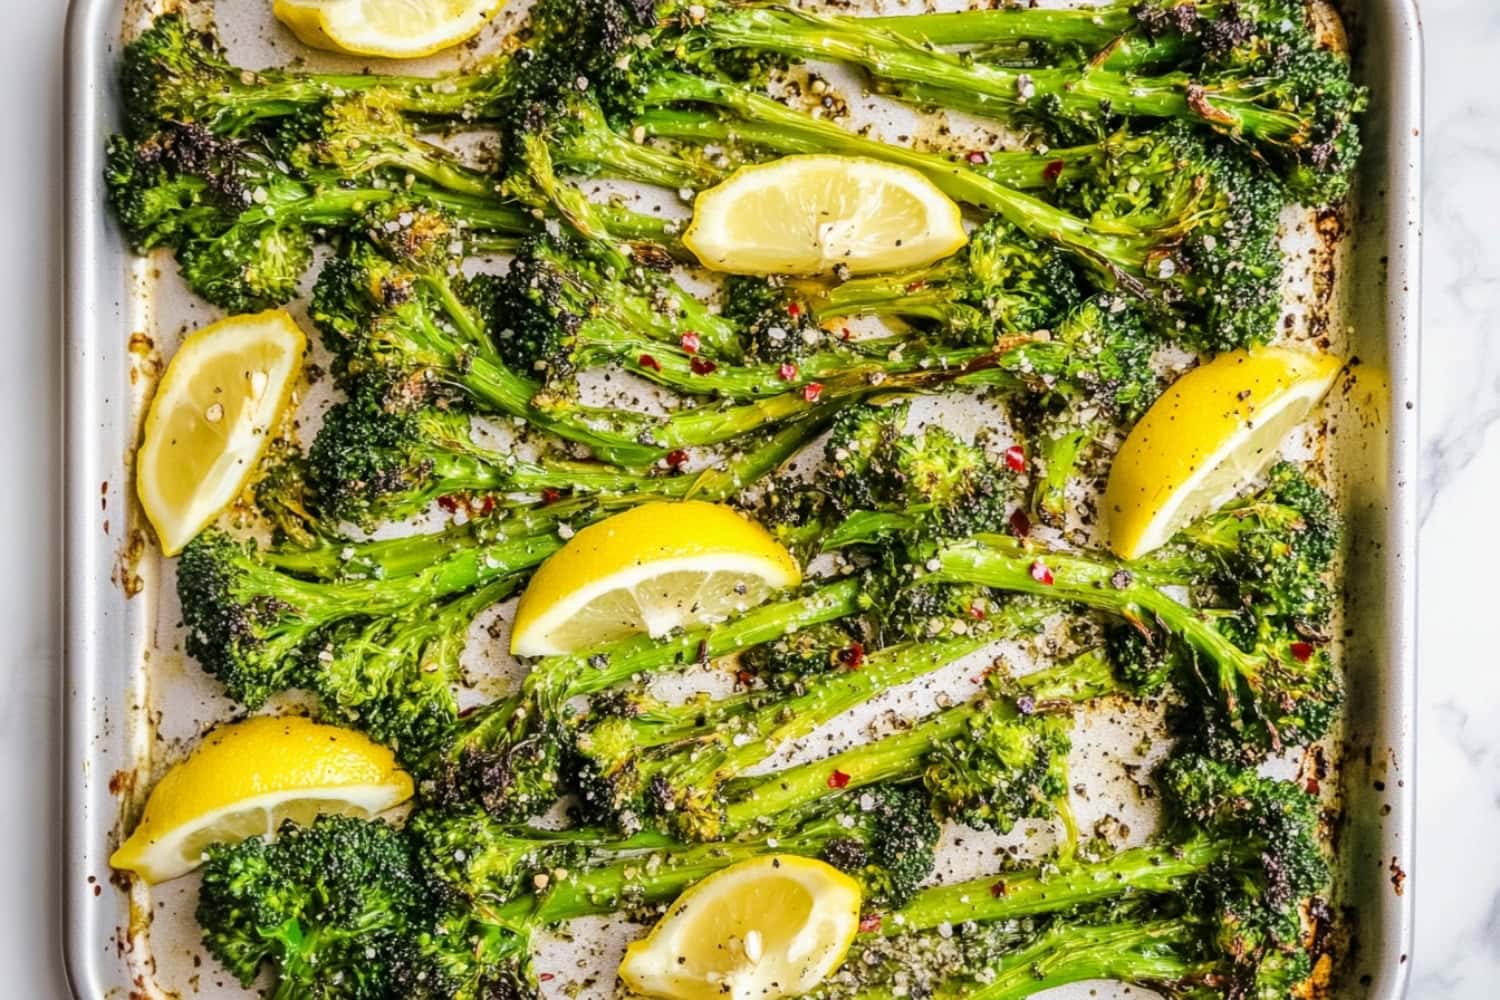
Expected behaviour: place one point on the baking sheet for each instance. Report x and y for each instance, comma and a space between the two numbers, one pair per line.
135, 701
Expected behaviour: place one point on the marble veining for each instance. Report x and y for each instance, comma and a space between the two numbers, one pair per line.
1456, 872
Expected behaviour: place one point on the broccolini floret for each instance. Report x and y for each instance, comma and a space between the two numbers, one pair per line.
377, 458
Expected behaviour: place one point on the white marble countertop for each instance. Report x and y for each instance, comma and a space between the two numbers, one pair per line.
1456, 871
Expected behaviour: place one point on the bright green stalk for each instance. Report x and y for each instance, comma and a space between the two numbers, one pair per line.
606, 888
1152, 868
556, 679
671, 366
1022, 169
1093, 26
1142, 953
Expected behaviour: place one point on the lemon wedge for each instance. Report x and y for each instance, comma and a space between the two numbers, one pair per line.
1215, 428
807, 215
245, 779
395, 29
769, 927
214, 412
653, 568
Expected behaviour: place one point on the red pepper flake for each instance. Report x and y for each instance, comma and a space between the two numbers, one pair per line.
1040, 573
690, 342
1303, 651
677, 459
916, 286
852, 656
838, 779
1020, 523
978, 157
546, 977
647, 361
549, 495
744, 678
787, 372
485, 505
1015, 458
449, 503
1312, 787
811, 391
846, 335
1052, 171
999, 889
977, 612
869, 923
794, 309
702, 366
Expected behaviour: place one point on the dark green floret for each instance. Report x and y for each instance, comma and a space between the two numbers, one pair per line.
930, 483
1001, 282
251, 624
244, 223
343, 908
336, 908
375, 458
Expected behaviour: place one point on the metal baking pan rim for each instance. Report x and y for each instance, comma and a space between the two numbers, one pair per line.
95, 267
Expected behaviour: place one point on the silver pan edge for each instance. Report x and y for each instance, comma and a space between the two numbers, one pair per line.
104, 630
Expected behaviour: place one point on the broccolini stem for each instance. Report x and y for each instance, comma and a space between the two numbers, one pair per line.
1113, 25
892, 758
901, 756
1008, 564
241, 98
708, 425
673, 367
658, 876
386, 558
563, 677
775, 725
596, 146
1023, 169
1034, 891
389, 557
623, 437
627, 224
1095, 26
1125, 952
462, 570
